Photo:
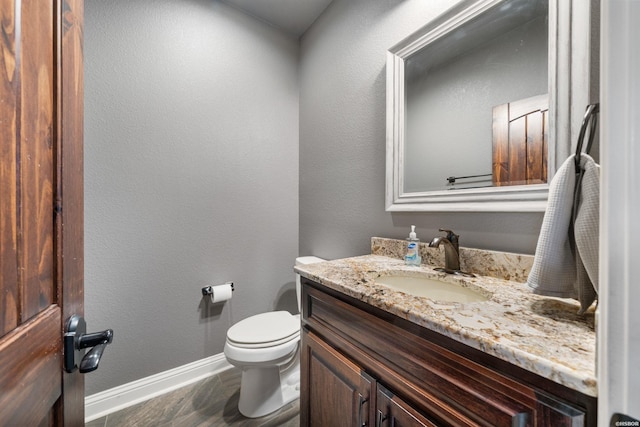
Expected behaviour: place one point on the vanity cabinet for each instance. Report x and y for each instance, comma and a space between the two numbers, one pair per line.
340, 393
362, 366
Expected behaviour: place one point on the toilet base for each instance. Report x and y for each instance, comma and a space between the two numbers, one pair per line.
267, 389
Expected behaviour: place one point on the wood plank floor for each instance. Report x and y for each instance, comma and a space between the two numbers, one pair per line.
210, 402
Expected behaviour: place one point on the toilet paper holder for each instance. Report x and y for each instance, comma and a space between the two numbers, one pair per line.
208, 290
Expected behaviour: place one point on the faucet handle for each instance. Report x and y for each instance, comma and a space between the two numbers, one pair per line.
451, 236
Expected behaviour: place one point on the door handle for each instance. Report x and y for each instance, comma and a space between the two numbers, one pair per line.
76, 340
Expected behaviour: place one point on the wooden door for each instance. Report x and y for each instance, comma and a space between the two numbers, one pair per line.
41, 209
520, 141
334, 391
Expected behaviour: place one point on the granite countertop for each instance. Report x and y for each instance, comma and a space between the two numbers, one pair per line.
543, 335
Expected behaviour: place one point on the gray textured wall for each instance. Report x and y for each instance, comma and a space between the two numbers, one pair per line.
191, 177
191, 166
342, 138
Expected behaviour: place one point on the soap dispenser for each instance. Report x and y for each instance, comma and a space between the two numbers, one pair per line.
413, 249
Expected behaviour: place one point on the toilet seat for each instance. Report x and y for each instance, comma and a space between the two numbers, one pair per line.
267, 338
265, 330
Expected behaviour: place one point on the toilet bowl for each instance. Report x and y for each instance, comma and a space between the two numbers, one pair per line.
266, 348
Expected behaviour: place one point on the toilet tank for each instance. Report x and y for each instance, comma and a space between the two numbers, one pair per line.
304, 260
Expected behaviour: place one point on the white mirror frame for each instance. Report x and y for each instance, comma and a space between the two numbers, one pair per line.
573, 84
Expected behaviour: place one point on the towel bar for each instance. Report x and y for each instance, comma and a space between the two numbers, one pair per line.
590, 116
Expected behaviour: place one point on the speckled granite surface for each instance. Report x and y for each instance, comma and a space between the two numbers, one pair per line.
541, 334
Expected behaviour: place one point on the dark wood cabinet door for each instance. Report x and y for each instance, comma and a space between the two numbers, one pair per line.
334, 391
391, 411
41, 232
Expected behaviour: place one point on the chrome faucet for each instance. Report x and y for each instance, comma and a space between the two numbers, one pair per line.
451, 250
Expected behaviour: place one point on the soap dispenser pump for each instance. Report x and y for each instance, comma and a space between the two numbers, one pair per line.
412, 256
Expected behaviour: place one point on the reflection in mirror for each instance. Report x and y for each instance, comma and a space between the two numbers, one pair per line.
459, 92
483, 104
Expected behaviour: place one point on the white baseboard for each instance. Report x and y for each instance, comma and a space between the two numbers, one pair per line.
112, 400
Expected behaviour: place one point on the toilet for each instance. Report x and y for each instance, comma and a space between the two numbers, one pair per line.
266, 348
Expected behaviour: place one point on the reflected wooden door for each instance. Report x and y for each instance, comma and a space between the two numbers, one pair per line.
41, 209
520, 139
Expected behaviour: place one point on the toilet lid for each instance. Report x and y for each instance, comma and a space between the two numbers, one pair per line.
265, 328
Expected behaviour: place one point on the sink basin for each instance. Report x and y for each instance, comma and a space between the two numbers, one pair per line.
431, 288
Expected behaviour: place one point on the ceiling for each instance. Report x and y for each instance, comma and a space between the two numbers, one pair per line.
293, 16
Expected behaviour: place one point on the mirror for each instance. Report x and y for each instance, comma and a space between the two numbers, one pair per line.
479, 105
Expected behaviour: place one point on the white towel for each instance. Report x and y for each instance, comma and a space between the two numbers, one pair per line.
566, 259
587, 229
